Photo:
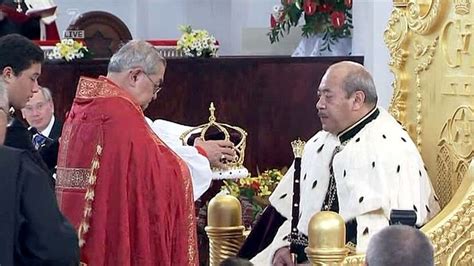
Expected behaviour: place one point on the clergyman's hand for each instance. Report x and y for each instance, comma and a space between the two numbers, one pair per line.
282, 257
218, 151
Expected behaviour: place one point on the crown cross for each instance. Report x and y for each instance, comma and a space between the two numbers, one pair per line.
462, 7
212, 109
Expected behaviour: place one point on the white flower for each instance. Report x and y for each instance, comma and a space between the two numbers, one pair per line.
277, 8
68, 49
69, 57
196, 42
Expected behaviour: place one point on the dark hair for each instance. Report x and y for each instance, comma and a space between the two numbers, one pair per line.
234, 261
19, 53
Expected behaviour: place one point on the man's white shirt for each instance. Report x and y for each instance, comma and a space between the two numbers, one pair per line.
48, 129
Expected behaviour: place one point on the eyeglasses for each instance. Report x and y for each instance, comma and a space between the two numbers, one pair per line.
39, 107
156, 86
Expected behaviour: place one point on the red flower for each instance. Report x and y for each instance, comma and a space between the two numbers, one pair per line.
348, 3
309, 7
338, 19
272, 21
325, 8
255, 185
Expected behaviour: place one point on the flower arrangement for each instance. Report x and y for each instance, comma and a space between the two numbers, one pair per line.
254, 191
69, 49
197, 43
331, 18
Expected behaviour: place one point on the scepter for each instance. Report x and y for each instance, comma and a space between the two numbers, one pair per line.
298, 147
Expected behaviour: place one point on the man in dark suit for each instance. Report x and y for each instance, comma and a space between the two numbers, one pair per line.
39, 113
32, 230
44, 126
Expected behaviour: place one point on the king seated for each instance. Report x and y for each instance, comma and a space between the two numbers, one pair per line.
361, 165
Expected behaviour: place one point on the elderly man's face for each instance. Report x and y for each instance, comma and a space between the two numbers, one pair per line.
334, 105
38, 111
147, 86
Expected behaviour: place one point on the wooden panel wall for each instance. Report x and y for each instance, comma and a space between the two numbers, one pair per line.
273, 98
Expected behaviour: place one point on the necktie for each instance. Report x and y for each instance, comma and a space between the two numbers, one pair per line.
38, 140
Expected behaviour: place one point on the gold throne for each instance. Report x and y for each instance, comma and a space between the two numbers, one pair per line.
432, 59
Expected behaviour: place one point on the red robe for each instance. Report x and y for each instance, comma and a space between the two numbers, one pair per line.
128, 195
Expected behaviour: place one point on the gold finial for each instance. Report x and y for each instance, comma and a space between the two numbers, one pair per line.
326, 236
298, 147
212, 109
224, 211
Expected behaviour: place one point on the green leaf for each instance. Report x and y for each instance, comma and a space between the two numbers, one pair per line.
185, 28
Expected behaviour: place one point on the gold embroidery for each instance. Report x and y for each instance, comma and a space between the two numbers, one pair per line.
89, 198
90, 88
64, 147
72, 177
102, 87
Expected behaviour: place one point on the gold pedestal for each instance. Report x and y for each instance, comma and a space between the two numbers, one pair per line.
225, 229
330, 257
224, 242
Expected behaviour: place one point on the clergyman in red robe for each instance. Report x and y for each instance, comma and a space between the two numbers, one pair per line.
128, 195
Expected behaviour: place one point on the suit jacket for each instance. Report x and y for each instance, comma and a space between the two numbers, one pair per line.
18, 136
32, 230
49, 152
56, 130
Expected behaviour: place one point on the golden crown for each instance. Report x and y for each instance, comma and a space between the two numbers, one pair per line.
214, 130
462, 7
298, 147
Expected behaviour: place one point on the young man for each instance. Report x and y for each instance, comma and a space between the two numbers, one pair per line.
128, 194
20, 63
361, 165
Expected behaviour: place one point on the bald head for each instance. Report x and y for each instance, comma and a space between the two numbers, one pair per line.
354, 77
346, 94
400, 245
